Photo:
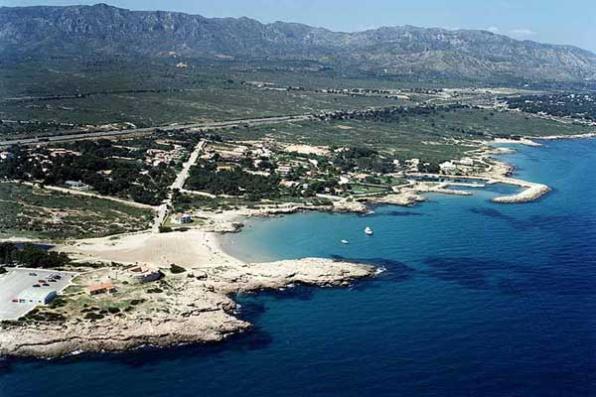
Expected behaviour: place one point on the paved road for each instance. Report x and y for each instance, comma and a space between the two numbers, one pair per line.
41, 140
16, 281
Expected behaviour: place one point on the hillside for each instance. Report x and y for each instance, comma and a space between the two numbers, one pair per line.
79, 31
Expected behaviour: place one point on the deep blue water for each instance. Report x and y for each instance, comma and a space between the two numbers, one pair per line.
478, 299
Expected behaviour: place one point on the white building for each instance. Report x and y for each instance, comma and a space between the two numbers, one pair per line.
284, 170
448, 167
39, 296
467, 161
183, 219
6, 155
77, 185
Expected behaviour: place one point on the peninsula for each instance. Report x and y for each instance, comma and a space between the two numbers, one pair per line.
120, 168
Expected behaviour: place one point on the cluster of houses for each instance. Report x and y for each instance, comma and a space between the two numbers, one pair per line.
457, 167
155, 157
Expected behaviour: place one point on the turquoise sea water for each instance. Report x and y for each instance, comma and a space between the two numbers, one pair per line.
478, 299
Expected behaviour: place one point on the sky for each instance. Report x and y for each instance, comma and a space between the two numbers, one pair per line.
550, 21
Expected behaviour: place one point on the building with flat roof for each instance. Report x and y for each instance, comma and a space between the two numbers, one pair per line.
146, 275
39, 296
182, 219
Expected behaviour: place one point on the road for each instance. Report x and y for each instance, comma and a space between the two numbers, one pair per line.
83, 193
41, 140
163, 209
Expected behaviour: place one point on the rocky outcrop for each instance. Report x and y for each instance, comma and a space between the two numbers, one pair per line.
194, 307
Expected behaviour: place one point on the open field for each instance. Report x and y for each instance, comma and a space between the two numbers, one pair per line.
38, 213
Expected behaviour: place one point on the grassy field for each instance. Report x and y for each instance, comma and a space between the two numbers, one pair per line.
36, 213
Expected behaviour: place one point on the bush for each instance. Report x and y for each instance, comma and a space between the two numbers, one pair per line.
175, 269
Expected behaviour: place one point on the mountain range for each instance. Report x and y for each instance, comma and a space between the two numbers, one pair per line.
106, 31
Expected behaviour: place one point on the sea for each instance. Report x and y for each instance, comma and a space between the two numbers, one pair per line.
476, 299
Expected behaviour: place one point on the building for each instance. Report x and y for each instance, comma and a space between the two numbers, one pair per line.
146, 275
37, 296
6, 156
413, 164
183, 219
284, 170
76, 185
448, 167
467, 161
102, 288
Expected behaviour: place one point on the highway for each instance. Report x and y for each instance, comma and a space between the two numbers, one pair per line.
44, 140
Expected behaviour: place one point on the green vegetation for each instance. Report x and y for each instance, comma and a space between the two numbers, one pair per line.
151, 94
235, 182
433, 137
188, 202
109, 169
175, 269
37, 213
31, 256
580, 105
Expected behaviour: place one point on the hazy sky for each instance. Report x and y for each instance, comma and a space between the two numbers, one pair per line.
553, 21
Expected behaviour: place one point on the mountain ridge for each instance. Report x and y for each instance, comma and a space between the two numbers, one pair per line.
393, 50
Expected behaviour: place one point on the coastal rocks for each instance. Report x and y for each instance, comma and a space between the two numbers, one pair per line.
47, 341
405, 198
350, 206
194, 306
532, 192
310, 271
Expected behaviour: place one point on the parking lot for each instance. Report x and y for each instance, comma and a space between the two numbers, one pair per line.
19, 281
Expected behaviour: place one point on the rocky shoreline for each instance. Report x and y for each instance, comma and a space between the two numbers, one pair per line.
198, 306
195, 307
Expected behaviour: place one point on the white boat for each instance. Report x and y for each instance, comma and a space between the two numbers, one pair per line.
345, 242
368, 231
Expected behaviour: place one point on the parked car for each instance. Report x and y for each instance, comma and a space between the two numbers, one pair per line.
33, 274
36, 286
